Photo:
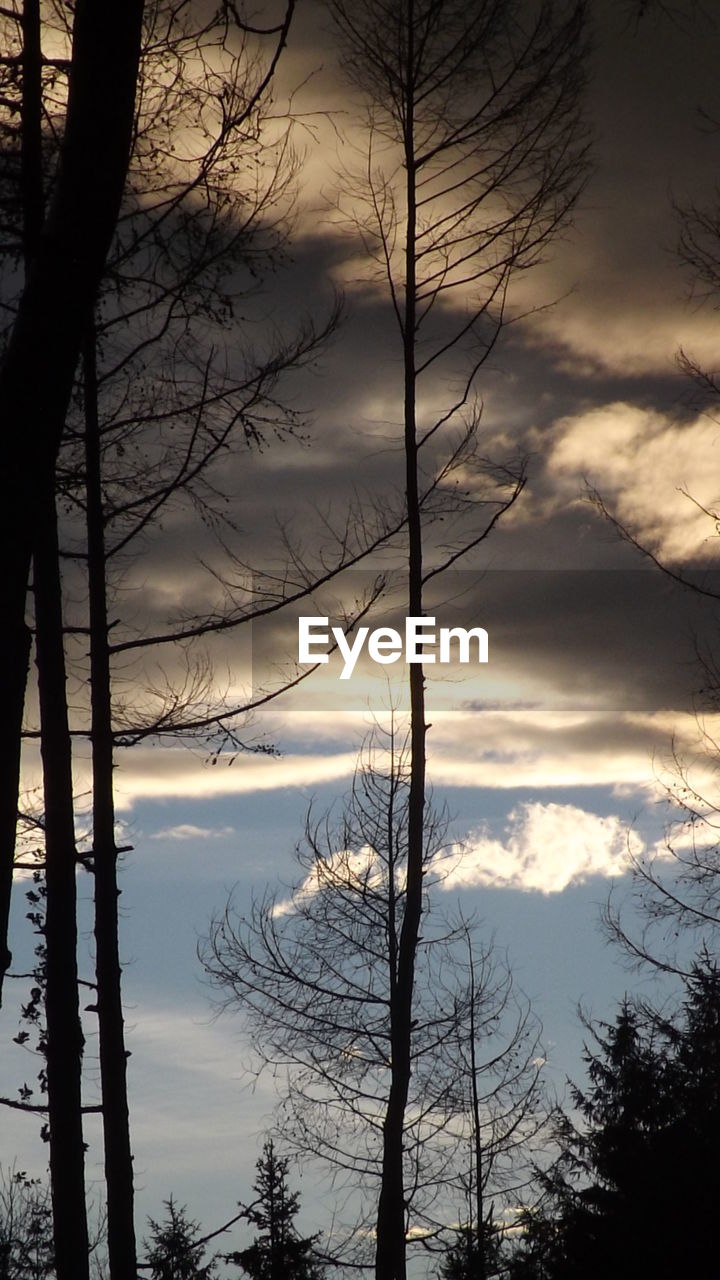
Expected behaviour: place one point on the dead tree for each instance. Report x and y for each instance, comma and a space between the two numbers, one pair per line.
314, 975
475, 157
38, 368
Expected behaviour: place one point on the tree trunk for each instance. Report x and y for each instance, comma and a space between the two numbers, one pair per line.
390, 1261
64, 1032
64, 1042
18, 638
39, 366
479, 1206
113, 1057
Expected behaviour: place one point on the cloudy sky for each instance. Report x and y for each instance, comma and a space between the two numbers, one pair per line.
554, 758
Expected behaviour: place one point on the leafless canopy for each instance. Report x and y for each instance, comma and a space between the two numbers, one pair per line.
314, 977
476, 151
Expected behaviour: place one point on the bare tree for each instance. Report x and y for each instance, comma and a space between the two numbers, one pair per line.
194, 202
26, 1244
37, 372
187, 221
63, 1040
314, 977
475, 155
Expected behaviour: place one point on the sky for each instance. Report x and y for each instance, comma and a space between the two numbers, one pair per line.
553, 759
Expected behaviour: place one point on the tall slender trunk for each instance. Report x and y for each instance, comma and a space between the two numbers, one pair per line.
17, 637
390, 1261
63, 266
37, 371
31, 168
64, 1043
13, 681
479, 1207
113, 1057
64, 1032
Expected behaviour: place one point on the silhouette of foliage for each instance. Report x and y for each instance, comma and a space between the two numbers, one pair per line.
314, 977
633, 1190
467, 1259
175, 1249
278, 1253
26, 1241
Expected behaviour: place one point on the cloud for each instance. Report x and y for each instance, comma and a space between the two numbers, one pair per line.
359, 869
188, 831
493, 748
598, 338
645, 464
159, 773
547, 848
534, 748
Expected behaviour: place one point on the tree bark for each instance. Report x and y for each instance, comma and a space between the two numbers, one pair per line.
479, 1206
37, 373
390, 1259
113, 1057
64, 1031
18, 638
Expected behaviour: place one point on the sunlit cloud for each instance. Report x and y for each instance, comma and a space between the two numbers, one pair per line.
546, 848
598, 337
171, 773
360, 868
538, 749
493, 749
188, 831
653, 472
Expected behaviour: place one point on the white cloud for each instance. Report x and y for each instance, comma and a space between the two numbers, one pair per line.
188, 831
645, 464
358, 868
173, 772
547, 847
491, 748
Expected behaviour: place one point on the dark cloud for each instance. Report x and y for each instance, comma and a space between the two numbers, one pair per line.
623, 637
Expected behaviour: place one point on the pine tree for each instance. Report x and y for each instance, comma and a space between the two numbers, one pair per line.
467, 1260
634, 1192
278, 1252
174, 1250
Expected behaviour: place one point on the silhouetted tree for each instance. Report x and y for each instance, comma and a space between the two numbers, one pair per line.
504, 1119
634, 1188
474, 157
162, 284
278, 1253
38, 368
174, 1249
314, 976
63, 1039
470, 1257
26, 1236
168, 253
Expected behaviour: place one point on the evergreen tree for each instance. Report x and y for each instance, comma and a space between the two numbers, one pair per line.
278, 1252
635, 1192
468, 1259
174, 1250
